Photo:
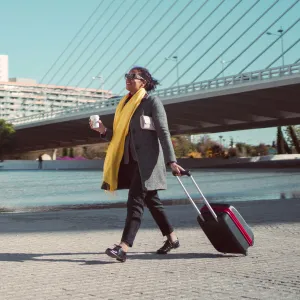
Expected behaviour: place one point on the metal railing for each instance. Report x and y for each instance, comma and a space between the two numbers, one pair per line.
176, 91
232, 80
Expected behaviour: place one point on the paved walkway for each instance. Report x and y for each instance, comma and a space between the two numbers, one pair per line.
60, 255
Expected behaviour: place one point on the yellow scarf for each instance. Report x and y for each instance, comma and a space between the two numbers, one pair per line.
115, 150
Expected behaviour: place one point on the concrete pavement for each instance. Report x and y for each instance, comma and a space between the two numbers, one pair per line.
60, 255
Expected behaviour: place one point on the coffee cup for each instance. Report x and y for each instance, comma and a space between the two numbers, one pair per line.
95, 121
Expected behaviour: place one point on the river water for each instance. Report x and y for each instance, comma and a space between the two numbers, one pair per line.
21, 190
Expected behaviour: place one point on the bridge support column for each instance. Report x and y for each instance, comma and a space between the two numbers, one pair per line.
54, 154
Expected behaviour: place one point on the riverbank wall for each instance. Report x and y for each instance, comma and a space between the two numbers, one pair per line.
269, 161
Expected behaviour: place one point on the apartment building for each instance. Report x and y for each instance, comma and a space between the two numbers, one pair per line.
24, 97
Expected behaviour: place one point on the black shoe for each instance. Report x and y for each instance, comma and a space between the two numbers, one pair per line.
168, 246
116, 252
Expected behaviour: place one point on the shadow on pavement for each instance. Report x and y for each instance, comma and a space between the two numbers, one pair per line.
45, 257
153, 255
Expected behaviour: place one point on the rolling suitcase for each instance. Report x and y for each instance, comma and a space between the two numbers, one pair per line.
223, 225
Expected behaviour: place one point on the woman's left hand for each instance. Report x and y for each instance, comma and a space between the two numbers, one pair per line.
176, 168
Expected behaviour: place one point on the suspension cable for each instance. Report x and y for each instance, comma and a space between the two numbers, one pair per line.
269, 46
64, 51
134, 47
118, 22
241, 35
203, 21
101, 57
81, 41
218, 39
288, 49
73, 39
176, 33
90, 43
153, 42
256, 38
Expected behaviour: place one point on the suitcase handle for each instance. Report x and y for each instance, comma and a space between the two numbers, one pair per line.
183, 173
188, 173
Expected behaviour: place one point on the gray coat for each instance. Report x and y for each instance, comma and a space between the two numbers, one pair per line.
153, 149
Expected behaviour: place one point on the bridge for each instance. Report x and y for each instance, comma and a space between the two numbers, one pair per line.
189, 39
259, 99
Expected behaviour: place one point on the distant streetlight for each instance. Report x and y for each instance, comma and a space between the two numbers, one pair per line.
100, 78
175, 58
280, 31
224, 62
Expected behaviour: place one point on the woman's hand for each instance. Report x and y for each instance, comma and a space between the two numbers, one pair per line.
176, 168
100, 129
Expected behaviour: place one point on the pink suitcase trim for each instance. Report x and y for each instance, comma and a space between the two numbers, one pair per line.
235, 220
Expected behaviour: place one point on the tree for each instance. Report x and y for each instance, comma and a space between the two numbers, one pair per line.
182, 146
261, 149
216, 150
85, 152
7, 134
65, 152
294, 135
287, 148
71, 152
280, 141
205, 146
282, 145
232, 152
244, 149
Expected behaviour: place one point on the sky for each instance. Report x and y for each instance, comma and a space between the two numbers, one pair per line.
118, 34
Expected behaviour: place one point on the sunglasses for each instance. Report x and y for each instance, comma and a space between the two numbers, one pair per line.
132, 76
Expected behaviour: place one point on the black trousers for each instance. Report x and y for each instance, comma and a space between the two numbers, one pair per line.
137, 200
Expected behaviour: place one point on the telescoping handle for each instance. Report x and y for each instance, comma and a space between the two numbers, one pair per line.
188, 173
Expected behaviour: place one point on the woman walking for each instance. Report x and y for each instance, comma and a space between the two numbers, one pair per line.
140, 147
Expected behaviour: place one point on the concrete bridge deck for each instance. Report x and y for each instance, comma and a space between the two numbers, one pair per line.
265, 98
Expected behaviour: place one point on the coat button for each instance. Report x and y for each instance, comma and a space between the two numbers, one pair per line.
137, 147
